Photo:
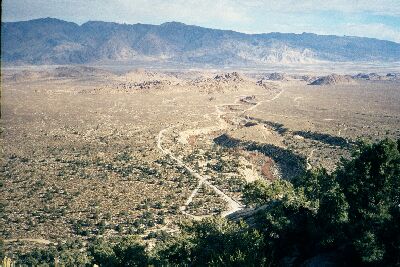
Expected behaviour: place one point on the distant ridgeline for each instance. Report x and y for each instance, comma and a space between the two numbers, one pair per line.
53, 41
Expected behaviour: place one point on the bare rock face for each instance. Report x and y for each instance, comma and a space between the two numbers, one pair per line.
275, 76
229, 77
288, 55
145, 85
140, 75
220, 82
333, 79
308, 78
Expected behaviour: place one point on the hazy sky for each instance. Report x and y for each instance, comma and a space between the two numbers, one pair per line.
370, 18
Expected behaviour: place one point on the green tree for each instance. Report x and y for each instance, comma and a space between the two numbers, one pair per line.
262, 192
285, 218
38, 257
325, 198
213, 242
103, 253
127, 252
357, 208
371, 185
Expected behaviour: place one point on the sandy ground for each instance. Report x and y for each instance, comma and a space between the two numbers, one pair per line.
112, 154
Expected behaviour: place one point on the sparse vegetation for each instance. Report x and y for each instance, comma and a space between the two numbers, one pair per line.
76, 173
350, 215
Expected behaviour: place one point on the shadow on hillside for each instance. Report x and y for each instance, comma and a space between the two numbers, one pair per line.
321, 137
291, 164
324, 138
277, 127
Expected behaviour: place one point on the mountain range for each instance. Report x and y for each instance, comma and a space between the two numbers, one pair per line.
54, 41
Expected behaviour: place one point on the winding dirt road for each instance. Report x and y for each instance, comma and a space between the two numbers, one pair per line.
233, 205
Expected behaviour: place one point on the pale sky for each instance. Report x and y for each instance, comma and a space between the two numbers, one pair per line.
370, 18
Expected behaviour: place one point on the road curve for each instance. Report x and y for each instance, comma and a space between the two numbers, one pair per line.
234, 206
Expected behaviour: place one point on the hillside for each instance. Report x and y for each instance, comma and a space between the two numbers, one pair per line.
333, 79
53, 41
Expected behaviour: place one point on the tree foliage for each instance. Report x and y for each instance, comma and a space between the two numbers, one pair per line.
213, 242
62, 255
355, 209
127, 252
371, 185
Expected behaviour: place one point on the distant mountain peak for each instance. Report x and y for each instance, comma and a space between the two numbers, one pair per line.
173, 23
54, 41
48, 20
99, 22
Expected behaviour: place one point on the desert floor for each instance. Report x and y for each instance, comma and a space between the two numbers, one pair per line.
88, 153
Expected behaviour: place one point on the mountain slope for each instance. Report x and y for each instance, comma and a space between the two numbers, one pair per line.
54, 41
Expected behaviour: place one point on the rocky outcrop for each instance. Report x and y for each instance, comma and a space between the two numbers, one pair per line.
333, 79
229, 77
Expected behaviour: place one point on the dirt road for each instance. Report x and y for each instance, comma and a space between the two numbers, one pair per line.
233, 205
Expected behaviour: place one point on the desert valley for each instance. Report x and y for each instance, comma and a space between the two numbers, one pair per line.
89, 152
179, 145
